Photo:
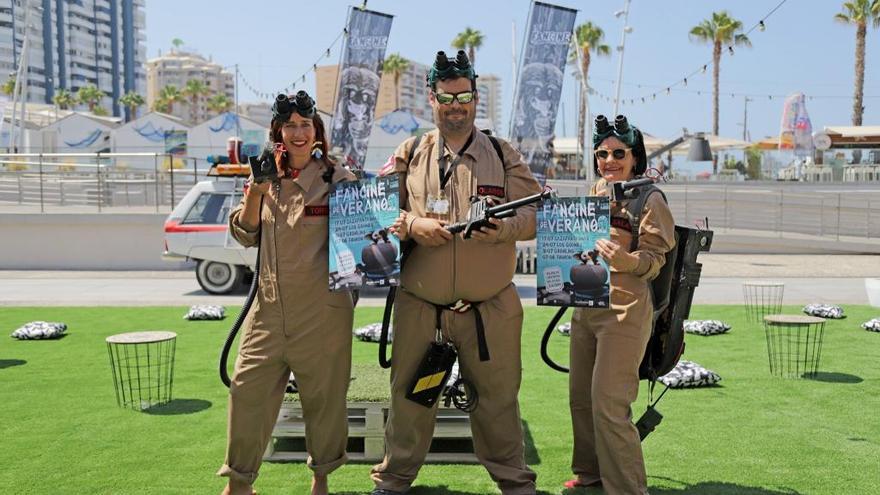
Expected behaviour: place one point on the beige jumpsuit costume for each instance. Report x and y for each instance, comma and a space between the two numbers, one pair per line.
295, 324
469, 270
607, 346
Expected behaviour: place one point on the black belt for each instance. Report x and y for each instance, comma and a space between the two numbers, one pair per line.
462, 306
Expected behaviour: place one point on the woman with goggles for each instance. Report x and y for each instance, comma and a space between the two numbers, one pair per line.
607, 345
295, 324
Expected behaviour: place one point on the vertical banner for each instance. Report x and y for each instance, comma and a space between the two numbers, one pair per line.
362, 251
358, 88
539, 84
796, 132
570, 270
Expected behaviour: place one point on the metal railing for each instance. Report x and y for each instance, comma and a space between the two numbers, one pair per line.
95, 180
58, 182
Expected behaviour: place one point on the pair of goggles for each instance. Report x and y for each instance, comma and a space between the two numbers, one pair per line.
450, 68
618, 154
285, 105
463, 97
621, 130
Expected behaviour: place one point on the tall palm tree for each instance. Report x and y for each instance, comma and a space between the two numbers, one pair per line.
395, 64
219, 103
859, 13
132, 101
90, 95
588, 39
470, 40
63, 98
177, 43
720, 30
169, 95
194, 90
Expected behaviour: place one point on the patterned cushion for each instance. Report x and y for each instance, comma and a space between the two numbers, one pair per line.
706, 327
205, 312
564, 329
371, 332
824, 310
37, 330
872, 325
687, 374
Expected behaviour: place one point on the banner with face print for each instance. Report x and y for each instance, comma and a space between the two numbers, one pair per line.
539, 85
358, 88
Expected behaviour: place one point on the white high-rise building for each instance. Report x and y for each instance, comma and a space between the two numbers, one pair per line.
178, 67
74, 43
489, 107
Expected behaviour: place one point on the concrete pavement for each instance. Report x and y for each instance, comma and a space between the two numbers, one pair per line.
808, 278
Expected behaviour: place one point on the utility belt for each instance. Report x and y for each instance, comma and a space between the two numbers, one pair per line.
432, 375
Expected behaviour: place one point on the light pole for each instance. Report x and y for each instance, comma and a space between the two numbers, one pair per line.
626, 29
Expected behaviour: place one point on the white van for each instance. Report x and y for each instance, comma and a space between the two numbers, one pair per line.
197, 230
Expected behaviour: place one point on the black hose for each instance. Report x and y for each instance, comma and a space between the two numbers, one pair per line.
227, 346
546, 339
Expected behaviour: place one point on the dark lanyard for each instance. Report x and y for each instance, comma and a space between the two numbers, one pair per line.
444, 173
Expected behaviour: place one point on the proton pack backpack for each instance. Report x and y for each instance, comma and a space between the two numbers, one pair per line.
672, 292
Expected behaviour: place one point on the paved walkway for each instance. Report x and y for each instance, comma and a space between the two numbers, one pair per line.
828, 279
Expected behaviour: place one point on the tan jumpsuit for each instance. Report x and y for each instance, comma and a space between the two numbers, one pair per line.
606, 350
295, 324
471, 270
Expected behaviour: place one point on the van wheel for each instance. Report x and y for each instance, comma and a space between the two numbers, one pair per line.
218, 278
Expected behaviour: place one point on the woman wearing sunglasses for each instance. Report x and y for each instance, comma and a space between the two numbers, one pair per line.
607, 345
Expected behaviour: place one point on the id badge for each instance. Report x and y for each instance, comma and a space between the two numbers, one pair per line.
438, 206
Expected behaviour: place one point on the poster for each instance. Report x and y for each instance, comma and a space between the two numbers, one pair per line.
362, 251
539, 84
570, 270
358, 89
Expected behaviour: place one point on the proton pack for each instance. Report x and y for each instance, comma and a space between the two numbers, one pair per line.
672, 292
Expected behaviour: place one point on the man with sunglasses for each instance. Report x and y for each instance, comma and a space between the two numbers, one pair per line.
458, 290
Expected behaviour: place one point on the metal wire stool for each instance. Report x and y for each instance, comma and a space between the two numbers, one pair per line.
761, 299
794, 344
142, 364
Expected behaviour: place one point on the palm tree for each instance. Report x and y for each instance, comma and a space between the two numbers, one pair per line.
396, 65
9, 84
194, 90
721, 29
470, 40
132, 101
90, 95
219, 103
588, 38
177, 43
169, 95
859, 13
161, 105
63, 98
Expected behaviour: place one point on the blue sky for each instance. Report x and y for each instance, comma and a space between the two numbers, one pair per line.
802, 49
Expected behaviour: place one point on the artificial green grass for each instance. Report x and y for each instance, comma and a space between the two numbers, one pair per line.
754, 434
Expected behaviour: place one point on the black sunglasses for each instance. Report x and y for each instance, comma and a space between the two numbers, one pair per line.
618, 154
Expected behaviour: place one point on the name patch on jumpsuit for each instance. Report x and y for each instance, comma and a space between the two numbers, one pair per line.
317, 210
497, 191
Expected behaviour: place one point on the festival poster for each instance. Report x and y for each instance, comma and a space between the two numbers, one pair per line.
358, 88
539, 84
362, 251
570, 270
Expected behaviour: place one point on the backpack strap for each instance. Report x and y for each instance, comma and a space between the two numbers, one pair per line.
634, 211
497, 146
